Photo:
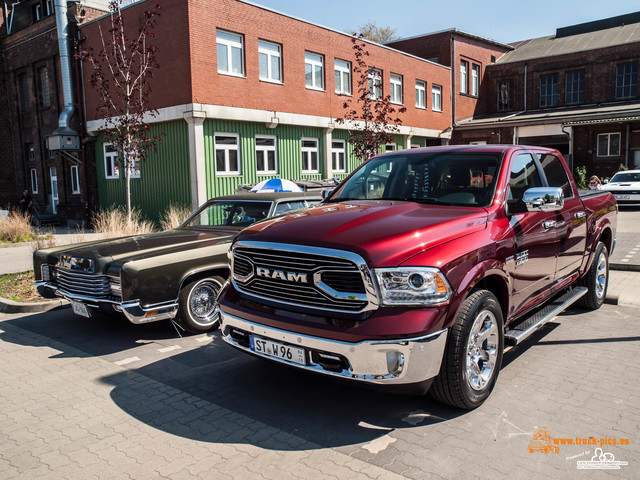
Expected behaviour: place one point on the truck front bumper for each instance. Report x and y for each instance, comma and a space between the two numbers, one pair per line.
403, 361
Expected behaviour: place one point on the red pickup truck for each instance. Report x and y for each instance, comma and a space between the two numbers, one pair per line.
420, 267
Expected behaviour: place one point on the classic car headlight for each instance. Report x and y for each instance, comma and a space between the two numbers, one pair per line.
413, 286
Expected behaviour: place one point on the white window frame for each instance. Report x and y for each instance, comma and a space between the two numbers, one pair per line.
271, 54
306, 155
134, 167
226, 149
314, 60
608, 136
342, 76
229, 44
475, 79
75, 180
464, 76
111, 159
390, 147
375, 83
335, 156
627, 80
34, 180
395, 87
421, 94
267, 148
436, 98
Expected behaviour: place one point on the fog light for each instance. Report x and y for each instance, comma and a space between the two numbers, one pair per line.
395, 362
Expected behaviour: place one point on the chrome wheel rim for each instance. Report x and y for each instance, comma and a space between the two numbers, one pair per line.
203, 306
482, 350
601, 275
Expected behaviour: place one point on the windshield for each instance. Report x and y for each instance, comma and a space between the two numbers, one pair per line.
626, 177
440, 178
228, 213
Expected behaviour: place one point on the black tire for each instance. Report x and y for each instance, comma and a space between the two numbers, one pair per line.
470, 367
198, 305
596, 280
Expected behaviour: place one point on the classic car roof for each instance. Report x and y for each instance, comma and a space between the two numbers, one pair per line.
271, 196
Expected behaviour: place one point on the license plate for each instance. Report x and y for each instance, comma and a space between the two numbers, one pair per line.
278, 350
622, 197
80, 309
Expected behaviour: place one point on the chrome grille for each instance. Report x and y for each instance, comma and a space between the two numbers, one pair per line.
96, 286
317, 278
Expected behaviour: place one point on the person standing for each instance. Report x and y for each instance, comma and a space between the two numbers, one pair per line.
26, 203
595, 183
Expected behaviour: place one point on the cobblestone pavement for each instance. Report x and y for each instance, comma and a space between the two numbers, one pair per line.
102, 399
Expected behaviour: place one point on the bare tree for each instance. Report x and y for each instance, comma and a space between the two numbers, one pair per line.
122, 71
375, 33
372, 119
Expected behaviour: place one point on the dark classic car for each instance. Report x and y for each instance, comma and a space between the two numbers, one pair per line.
175, 274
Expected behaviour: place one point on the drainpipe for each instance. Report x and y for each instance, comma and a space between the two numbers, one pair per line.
64, 46
570, 137
453, 81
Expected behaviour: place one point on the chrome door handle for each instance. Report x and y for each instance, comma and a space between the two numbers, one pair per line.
549, 224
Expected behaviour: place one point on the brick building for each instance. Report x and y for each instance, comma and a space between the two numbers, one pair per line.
245, 93
31, 91
576, 91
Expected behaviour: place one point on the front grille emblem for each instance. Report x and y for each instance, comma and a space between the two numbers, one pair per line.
282, 275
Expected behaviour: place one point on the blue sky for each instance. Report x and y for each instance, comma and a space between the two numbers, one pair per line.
501, 20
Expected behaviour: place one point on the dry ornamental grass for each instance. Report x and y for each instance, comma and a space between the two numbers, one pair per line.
174, 216
16, 227
114, 223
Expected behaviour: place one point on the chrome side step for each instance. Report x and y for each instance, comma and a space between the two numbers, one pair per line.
526, 326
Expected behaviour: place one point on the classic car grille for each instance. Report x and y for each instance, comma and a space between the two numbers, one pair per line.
300, 278
96, 286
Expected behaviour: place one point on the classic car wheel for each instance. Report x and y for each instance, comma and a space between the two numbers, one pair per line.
596, 280
473, 354
198, 305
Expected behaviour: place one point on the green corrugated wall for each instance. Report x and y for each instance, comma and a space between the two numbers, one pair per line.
164, 177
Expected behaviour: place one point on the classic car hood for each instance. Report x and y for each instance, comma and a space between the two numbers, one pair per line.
138, 247
384, 232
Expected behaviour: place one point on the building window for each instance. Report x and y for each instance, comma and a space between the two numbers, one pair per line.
266, 155
230, 53
390, 147
314, 70
608, 144
475, 80
421, 94
343, 77
309, 155
338, 156
75, 180
37, 12
375, 84
227, 153
134, 165
436, 98
45, 97
395, 88
34, 180
503, 90
627, 80
30, 151
464, 76
270, 60
110, 162
574, 87
48, 7
549, 90
23, 88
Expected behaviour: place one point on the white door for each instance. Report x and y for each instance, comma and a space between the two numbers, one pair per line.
54, 190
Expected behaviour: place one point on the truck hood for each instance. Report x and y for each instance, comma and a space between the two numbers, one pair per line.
385, 233
137, 247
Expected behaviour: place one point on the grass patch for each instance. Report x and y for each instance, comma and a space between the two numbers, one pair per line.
19, 287
16, 227
174, 216
114, 223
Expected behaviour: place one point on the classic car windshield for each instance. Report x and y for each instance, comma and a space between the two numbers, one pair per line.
625, 177
439, 178
228, 213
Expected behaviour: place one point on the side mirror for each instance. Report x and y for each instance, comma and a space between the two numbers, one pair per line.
326, 192
543, 199
605, 181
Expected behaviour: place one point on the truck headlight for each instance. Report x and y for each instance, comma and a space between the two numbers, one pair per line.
412, 286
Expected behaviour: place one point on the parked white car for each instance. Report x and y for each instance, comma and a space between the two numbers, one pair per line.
625, 187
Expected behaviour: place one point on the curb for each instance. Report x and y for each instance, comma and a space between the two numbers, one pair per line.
9, 306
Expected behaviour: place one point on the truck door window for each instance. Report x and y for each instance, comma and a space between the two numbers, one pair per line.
524, 175
555, 173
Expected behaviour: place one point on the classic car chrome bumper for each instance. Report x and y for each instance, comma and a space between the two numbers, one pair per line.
134, 312
388, 362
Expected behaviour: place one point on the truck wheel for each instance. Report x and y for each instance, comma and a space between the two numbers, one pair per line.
473, 354
596, 280
198, 305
